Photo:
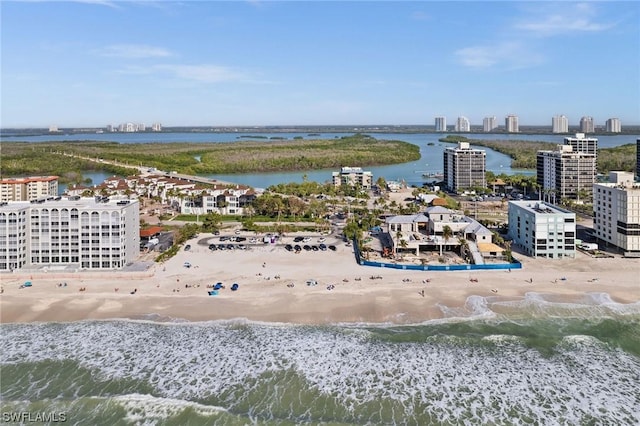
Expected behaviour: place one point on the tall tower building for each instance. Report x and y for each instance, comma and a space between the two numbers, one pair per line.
464, 167
441, 124
612, 125
586, 125
565, 174
511, 124
580, 143
489, 123
560, 124
462, 125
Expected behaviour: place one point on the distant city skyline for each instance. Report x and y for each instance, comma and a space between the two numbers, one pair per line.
89, 63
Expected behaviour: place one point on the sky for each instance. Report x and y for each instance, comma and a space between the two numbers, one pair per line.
256, 63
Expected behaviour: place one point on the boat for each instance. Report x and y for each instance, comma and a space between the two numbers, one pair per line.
213, 293
234, 287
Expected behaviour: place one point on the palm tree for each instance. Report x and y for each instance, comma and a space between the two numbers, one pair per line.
398, 240
446, 234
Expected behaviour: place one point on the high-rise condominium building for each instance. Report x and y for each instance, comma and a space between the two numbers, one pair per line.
462, 124
586, 125
560, 124
542, 230
565, 173
489, 124
613, 125
581, 143
156, 127
441, 124
29, 188
464, 167
616, 212
511, 124
87, 233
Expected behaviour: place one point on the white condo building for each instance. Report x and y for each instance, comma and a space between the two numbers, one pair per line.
441, 124
29, 188
586, 125
613, 125
511, 124
560, 124
464, 167
616, 212
353, 176
463, 125
489, 124
542, 230
74, 232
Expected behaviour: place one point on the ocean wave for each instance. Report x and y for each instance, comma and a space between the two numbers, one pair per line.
482, 371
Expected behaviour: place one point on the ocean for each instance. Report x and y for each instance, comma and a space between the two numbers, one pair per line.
536, 361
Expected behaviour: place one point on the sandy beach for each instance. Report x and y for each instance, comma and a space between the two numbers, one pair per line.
345, 291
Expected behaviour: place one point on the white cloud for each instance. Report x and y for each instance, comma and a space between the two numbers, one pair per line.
509, 55
205, 73
564, 18
134, 51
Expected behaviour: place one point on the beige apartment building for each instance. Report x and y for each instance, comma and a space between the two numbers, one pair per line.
28, 188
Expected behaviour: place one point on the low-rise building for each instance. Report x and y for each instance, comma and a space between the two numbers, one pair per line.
616, 212
353, 176
81, 233
28, 188
542, 230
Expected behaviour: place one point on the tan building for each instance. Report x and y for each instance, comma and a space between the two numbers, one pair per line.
353, 176
29, 188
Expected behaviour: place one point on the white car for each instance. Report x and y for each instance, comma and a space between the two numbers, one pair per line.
311, 283
322, 239
306, 239
253, 240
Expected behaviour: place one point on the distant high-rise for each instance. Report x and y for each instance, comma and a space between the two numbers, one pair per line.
462, 125
586, 125
511, 124
441, 124
489, 123
156, 127
560, 124
612, 125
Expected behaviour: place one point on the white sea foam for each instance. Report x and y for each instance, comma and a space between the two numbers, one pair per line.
441, 375
149, 410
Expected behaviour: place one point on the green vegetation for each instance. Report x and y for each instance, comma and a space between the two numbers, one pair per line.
21, 158
523, 153
33, 159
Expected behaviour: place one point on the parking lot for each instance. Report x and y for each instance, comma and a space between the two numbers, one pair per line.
294, 243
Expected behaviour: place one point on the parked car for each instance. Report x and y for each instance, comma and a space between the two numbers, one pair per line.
223, 238
306, 239
332, 248
306, 247
253, 240
314, 248
213, 247
239, 239
312, 283
297, 247
237, 232
187, 247
186, 265
298, 239
288, 247
323, 247
322, 239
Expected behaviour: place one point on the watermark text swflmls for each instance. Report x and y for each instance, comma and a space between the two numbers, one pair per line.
33, 417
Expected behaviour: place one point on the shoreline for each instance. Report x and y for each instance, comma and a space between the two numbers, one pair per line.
172, 291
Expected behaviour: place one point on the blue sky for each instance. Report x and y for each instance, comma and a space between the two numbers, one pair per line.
242, 63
